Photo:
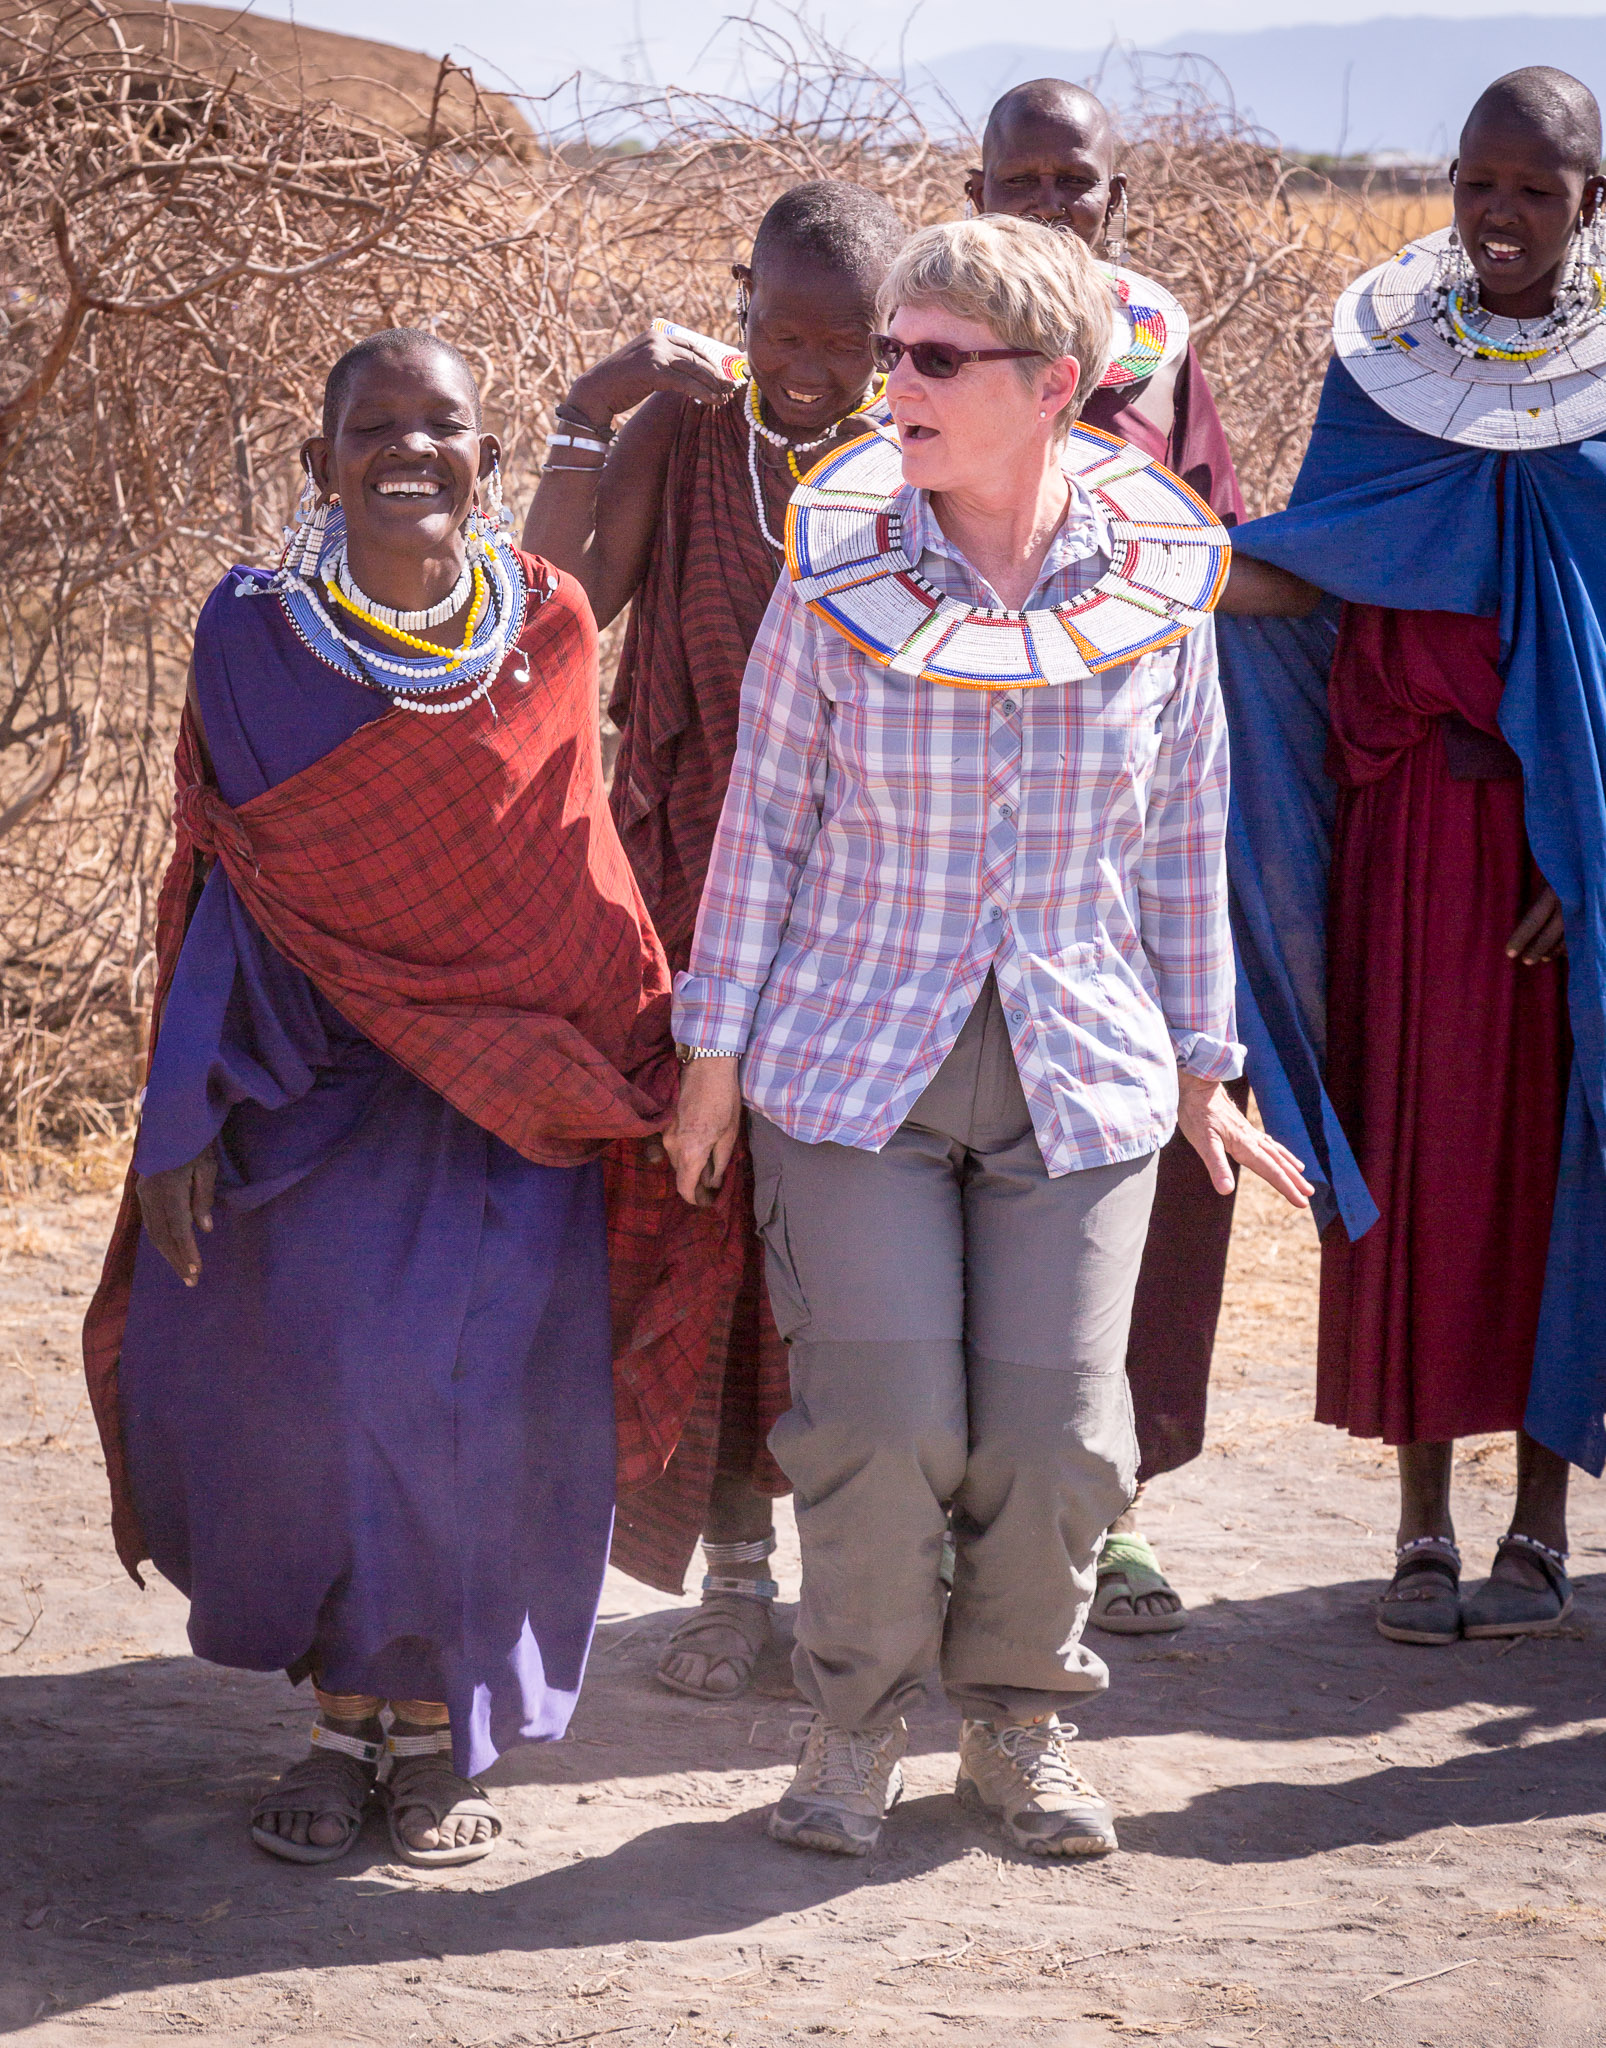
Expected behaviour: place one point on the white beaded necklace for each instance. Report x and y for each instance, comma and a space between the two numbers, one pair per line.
758, 488
406, 622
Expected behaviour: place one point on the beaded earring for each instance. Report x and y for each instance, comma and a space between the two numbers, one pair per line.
490, 508
1453, 271
304, 547
1118, 253
744, 301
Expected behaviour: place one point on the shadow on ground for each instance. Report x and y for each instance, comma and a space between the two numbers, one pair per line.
125, 1791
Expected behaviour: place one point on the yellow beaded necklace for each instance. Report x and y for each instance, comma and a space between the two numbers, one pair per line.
481, 596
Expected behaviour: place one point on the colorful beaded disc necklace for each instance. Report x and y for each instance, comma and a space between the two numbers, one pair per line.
1412, 336
846, 555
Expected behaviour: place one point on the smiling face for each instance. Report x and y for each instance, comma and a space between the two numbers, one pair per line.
404, 458
1050, 162
808, 340
1517, 200
978, 431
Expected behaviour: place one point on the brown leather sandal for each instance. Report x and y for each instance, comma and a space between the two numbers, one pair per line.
335, 1782
421, 1780
1434, 1611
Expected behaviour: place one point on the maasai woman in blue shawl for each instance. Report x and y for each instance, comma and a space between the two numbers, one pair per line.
1420, 836
354, 1378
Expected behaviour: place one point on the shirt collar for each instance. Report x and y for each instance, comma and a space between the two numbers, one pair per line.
1083, 534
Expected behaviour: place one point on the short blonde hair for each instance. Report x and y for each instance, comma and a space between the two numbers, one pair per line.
1032, 286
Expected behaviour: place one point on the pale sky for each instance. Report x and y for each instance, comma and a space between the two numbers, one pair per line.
534, 42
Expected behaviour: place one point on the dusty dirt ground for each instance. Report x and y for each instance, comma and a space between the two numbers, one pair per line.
1327, 1838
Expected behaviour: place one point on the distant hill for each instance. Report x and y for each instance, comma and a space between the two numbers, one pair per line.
377, 82
1400, 84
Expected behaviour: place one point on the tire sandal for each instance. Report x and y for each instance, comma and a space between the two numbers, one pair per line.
335, 1783
732, 1627
1501, 1607
1129, 1570
1434, 1610
419, 1780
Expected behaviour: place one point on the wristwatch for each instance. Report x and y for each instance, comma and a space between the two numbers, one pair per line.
683, 1053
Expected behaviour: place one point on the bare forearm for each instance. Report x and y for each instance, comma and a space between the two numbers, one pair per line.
561, 528
1257, 590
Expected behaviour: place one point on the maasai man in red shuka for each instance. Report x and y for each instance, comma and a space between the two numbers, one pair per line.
684, 513
1048, 154
409, 995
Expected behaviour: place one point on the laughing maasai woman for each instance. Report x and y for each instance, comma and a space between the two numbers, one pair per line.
683, 512
1447, 749
1048, 154
369, 1430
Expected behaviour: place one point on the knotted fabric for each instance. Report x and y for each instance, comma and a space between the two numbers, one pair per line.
454, 886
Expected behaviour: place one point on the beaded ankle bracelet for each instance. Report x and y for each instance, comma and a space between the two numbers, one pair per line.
739, 1553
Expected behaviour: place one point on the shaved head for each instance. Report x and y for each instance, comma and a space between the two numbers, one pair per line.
1552, 103
843, 226
1048, 154
1050, 99
395, 343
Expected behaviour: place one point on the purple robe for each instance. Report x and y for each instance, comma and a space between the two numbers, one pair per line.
375, 1442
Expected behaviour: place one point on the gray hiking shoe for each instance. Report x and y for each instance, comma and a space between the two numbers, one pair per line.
1021, 1773
847, 1782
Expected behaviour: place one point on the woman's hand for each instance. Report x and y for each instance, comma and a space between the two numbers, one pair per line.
174, 1205
1258, 590
652, 362
1219, 1132
1541, 935
702, 1134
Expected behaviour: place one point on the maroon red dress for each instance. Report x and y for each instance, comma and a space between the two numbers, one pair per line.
1446, 1061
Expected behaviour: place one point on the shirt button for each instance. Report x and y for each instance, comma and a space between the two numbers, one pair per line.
1017, 1016
1007, 704
1006, 812
994, 911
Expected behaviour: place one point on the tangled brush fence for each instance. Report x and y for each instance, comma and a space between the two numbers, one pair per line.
183, 253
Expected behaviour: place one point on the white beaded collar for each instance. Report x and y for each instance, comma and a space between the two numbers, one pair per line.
845, 551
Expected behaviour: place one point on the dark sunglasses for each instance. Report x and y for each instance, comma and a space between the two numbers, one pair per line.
936, 358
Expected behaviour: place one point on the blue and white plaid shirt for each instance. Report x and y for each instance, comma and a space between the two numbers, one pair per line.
885, 841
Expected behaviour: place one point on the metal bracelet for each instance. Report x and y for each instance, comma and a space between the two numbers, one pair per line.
739, 1553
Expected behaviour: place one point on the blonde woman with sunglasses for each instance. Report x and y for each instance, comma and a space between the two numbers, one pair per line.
963, 952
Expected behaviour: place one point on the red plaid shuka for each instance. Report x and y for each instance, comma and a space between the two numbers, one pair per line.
679, 688
455, 887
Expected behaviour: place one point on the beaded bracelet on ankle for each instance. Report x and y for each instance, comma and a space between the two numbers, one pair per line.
1402, 1550
745, 1589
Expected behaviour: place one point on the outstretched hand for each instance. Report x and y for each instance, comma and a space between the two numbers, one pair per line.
174, 1205
1220, 1133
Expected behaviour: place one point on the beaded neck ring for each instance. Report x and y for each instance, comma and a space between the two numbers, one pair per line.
1461, 320
429, 679
1413, 335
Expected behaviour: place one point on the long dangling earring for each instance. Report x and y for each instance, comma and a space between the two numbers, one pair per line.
1119, 256
744, 301
490, 508
304, 547
1453, 272
970, 208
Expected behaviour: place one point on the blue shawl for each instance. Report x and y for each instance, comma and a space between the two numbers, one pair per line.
1384, 515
